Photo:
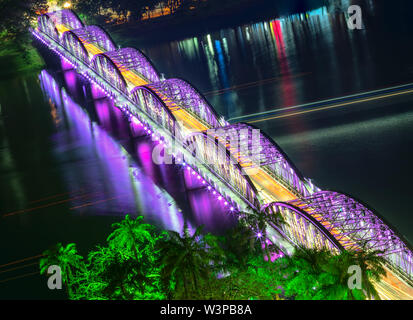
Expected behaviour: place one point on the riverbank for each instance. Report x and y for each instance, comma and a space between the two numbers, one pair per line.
15, 60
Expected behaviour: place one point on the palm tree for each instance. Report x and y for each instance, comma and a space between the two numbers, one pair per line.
258, 222
335, 278
98, 259
301, 275
69, 261
131, 235
239, 244
188, 256
371, 263
109, 274
371, 266
315, 257
124, 275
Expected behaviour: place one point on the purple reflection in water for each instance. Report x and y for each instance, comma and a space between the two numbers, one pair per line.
114, 184
72, 83
144, 154
103, 110
192, 179
66, 65
51, 87
96, 91
209, 211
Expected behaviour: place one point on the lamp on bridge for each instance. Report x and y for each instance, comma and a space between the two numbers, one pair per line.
67, 5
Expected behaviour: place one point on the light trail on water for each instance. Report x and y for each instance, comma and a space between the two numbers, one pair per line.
327, 104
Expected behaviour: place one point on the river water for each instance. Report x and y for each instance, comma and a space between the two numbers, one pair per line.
69, 167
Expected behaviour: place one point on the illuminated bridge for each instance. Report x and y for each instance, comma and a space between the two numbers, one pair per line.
241, 165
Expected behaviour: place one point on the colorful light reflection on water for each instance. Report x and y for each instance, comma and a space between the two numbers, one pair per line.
119, 171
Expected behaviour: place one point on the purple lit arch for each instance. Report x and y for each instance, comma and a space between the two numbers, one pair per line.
109, 70
111, 64
73, 40
47, 22
256, 149
134, 60
356, 226
156, 109
187, 97
217, 157
301, 228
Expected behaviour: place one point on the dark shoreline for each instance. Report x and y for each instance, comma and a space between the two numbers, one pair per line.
182, 25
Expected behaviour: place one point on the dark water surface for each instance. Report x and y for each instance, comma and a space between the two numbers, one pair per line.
69, 167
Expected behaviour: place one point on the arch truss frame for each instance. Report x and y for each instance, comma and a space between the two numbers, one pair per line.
183, 95
47, 22
214, 154
156, 109
253, 148
356, 226
301, 228
134, 60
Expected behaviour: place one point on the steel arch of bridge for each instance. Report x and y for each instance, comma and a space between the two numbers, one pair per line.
253, 148
75, 46
48, 26
212, 152
76, 40
133, 59
356, 226
112, 64
48, 22
156, 108
301, 228
109, 70
183, 95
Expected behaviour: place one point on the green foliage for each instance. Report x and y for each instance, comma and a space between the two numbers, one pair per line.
127, 268
97, 10
312, 274
16, 53
240, 245
187, 260
140, 263
131, 236
257, 281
